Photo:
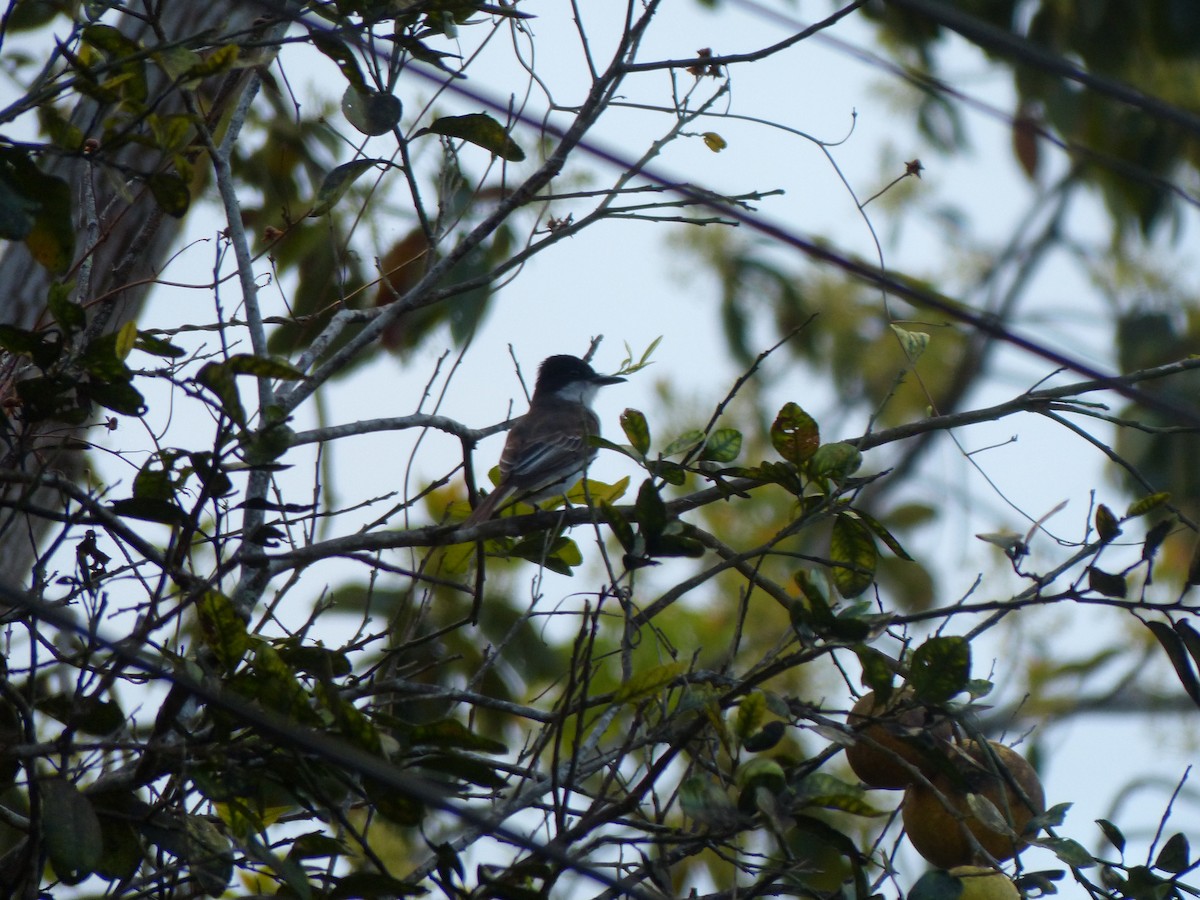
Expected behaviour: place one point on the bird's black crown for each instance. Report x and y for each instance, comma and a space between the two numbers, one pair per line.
556, 372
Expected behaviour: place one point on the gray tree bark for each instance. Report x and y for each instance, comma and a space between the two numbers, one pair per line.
122, 239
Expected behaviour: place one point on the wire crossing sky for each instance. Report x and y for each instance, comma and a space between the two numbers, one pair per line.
540, 122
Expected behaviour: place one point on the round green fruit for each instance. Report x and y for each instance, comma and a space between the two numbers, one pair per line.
985, 884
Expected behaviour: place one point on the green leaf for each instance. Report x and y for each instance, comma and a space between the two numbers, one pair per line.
171, 133
123, 851
337, 182
1054, 817
452, 734
212, 475
123, 340
1107, 525
937, 884
219, 379
71, 830
1143, 884
619, 524
853, 555
794, 434
30, 14
479, 129
940, 668
765, 738
69, 316
564, 556
46, 397
685, 443
19, 341
375, 884
1070, 852
650, 510
371, 112
561, 557
750, 714
649, 681
878, 672
88, 713
272, 682
208, 855
149, 509
336, 50
671, 473
222, 59
392, 805
427, 54
883, 534
110, 41
122, 52
724, 446
262, 367
119, 396
171, 193
637, 430
1106, 583
705, 802
835, 461
64, 133
18, 211
318, 661
1113, 834
223, 629
824, 790
317, 845
1190, 638
157, 346
758, 773
176, 61
157, 479
465, 769
674, 544
1147, 504
1174, 855
100, 358
913, 343
1155, 535
51, 240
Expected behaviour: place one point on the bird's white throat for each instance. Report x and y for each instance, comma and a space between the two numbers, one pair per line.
579, 392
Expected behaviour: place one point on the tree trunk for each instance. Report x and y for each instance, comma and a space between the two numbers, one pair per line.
124, 235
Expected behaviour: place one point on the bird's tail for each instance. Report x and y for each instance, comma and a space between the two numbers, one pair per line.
486, 509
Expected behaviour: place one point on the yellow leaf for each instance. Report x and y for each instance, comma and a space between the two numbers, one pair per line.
126, 338
714, 141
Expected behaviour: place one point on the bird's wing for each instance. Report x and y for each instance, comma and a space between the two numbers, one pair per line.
532, 453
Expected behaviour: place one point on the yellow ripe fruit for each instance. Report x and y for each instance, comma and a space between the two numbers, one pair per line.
985, 884
938, 835
897, 729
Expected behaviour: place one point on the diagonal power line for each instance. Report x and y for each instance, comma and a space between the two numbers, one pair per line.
785, 235
1179, 413
1023, 50
985, 324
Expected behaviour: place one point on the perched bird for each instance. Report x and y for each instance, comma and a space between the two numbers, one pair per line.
548, 449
